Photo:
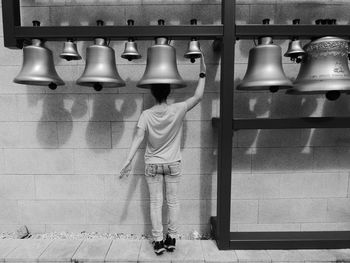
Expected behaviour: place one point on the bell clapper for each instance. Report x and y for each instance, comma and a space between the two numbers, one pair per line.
333, 95
273, 89
98, 86
52, 86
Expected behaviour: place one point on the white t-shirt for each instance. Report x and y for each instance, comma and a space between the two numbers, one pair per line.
164, 131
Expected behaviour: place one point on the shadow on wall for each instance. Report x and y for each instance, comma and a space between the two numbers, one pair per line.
52, 110
291, 149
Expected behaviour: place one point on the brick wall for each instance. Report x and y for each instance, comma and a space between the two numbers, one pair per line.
60, 150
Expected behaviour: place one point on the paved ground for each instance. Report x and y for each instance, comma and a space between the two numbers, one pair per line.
102, 250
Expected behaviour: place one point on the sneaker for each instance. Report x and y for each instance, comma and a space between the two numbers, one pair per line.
169, 243
158, 247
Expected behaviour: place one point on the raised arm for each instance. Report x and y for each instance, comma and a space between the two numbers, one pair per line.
198, 94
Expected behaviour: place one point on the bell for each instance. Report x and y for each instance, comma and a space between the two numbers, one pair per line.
70, 51
324, 69
193, 50
38, 66
161, 66
265, 70
100, 69
295, 52
130, 51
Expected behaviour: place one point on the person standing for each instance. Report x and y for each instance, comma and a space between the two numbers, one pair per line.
162, 126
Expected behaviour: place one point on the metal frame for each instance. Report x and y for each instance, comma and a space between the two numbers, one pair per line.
228, 32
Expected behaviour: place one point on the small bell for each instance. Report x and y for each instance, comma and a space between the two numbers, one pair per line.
100, 69
130, 51
193, 50
295, 52
38, 66
70, 51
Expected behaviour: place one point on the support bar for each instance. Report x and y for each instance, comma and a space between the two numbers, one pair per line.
225, 132
288, 31
290, 240
301, 123
175, 32
119, 32
11, 18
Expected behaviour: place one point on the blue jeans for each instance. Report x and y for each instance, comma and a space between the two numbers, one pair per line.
156, 175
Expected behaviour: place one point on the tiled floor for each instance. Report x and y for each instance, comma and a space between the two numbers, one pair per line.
102, 250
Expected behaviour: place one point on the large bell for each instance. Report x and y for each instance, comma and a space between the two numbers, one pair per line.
100, 69
38, 66
161, 66
265, 70
324, 69
70, 51
193, 51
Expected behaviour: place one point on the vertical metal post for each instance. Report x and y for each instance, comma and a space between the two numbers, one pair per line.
225, 127
10, 19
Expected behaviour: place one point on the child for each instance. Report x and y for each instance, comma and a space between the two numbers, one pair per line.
162, 125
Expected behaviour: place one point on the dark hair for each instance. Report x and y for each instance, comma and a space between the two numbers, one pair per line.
160, 92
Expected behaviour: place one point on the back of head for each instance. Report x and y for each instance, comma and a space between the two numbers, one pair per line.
160, 92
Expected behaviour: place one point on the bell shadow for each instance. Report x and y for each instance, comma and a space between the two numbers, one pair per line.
253, 105
244, 46
310, 106
334, 138
270, 138
103, 112
53, 110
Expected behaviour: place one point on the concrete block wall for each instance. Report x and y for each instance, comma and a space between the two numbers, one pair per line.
61, 151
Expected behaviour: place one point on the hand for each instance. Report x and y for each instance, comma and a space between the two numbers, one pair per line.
125, 171
203, 67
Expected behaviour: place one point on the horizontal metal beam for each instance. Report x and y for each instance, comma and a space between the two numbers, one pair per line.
290, 240
299, 123
119, 32
53, 33
288, 31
